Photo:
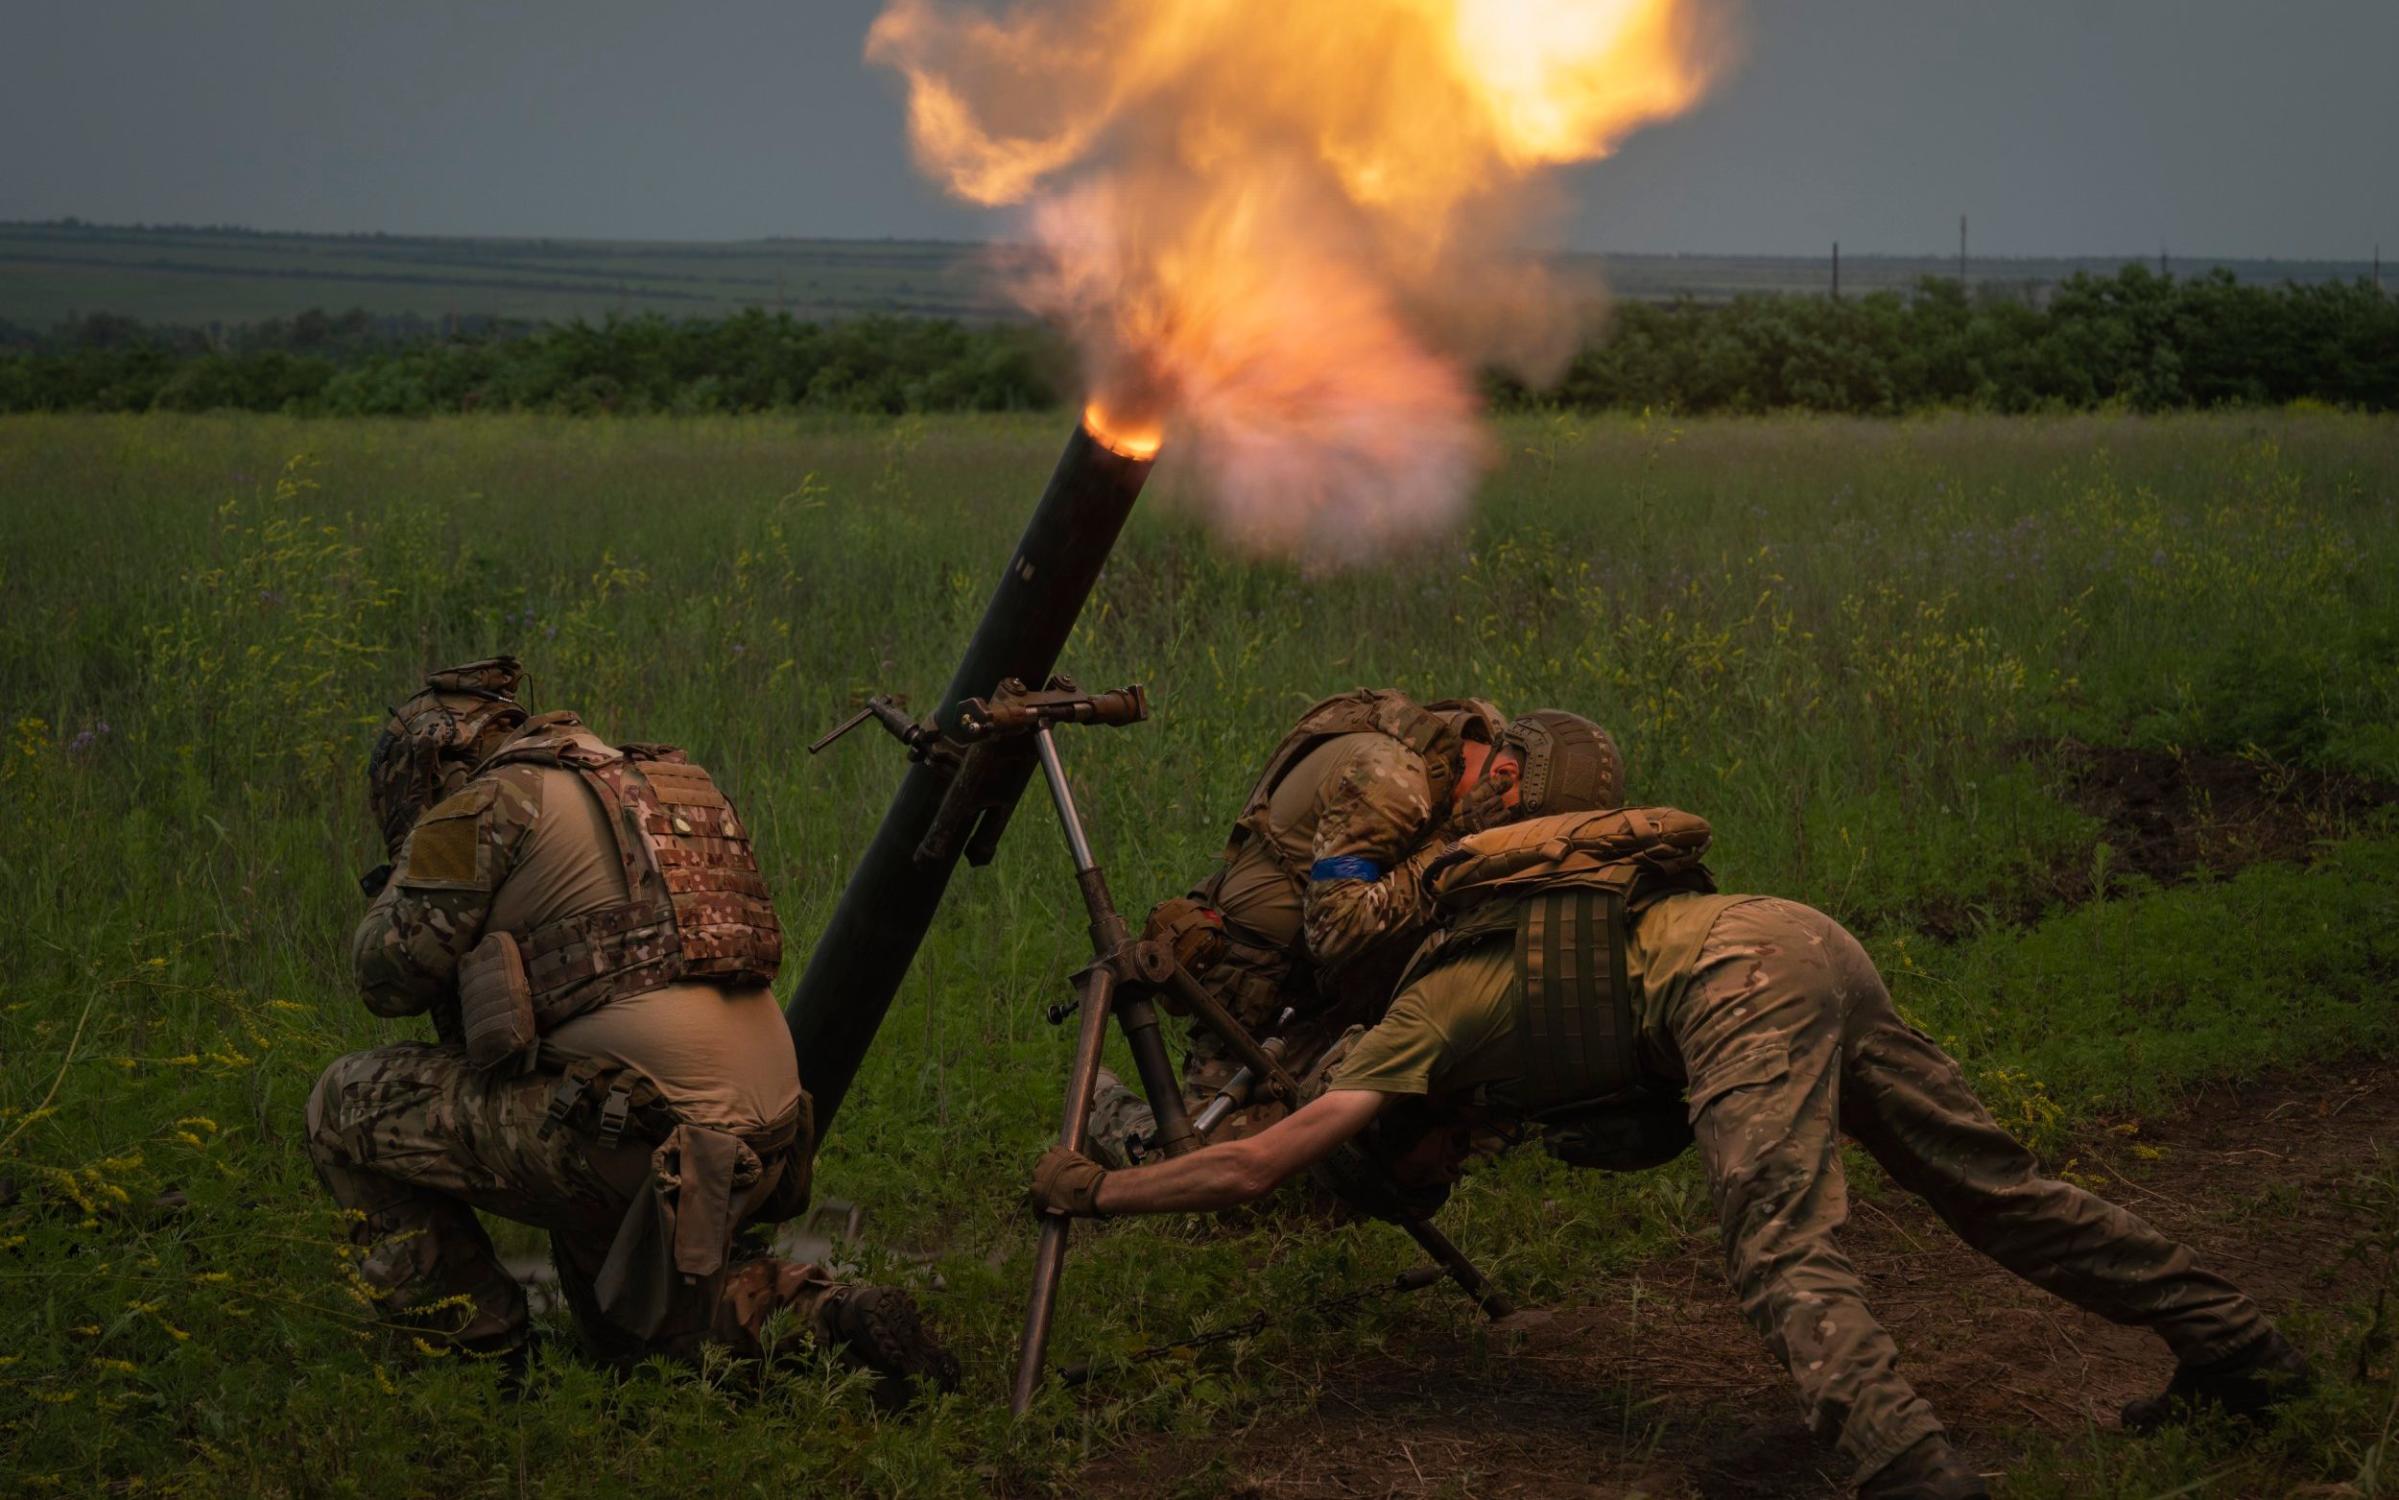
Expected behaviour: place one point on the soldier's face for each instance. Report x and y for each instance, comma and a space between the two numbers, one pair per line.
1503, 767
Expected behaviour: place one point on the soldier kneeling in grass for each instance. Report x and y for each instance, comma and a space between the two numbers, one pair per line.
1589, 979
587, 925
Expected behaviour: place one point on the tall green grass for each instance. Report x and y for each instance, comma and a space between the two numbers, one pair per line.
1835, 639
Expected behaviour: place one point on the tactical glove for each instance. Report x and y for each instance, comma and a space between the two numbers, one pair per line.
1068, 1182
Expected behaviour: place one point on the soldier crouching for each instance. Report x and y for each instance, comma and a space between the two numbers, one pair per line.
588, 928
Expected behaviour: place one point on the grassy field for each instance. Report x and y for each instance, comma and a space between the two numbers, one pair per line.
201, 276
1846, 643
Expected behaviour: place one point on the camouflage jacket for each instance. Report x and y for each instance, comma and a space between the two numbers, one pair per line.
1373, 840
406, 952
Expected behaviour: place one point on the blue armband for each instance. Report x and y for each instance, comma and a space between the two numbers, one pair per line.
1345, 867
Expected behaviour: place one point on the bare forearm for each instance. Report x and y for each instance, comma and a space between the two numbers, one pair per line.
1211, 1178
1239, 1171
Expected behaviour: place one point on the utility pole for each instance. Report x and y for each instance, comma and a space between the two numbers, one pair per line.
1837, 269
2378, 266
1961, 252
2163, 269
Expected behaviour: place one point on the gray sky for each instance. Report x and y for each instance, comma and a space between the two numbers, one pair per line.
2223, 127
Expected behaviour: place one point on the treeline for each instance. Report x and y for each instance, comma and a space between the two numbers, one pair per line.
2136, 340
753, 361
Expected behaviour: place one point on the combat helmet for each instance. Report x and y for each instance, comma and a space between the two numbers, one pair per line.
432, 741
1476, 719
1570, 764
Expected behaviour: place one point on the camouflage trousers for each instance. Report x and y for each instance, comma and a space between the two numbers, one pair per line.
414, 1140
1789, 1038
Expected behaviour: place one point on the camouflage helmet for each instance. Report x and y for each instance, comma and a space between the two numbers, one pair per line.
1570, 763
432, 741
1476, 719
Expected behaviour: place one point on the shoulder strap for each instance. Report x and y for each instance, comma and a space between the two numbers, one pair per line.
552, 739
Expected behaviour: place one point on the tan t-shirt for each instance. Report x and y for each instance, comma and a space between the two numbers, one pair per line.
1453, 1030
723, 1059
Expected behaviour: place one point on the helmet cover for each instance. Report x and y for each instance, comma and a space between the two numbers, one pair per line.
432, 742
1569, 764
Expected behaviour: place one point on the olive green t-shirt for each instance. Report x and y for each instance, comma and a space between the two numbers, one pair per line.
1453, 1029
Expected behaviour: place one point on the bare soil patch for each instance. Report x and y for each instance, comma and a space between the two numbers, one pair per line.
2170, 816
1661, 1390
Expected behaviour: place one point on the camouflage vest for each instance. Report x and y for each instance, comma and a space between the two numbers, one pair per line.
1563, 888
696, 908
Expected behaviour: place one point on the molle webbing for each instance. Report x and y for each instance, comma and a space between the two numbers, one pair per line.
1578, 1033
696, 907
702, 854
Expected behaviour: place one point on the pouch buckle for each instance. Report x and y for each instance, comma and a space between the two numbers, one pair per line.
615, 1110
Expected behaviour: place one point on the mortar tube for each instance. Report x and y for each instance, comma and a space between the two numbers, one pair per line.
866, 948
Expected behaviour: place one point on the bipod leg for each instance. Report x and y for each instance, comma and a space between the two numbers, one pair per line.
1049, 1256
1137, 1015
1103, 996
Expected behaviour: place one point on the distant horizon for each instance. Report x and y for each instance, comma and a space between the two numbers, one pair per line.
1848, 252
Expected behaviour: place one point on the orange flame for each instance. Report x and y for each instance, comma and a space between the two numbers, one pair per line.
1284, 230
1138, 438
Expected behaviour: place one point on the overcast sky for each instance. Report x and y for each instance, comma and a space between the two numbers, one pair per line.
2221, 127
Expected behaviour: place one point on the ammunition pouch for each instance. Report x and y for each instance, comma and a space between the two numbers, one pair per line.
702, 1186
495, 1006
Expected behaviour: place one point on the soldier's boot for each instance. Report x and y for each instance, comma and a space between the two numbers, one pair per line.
878, 1328
2246, 1385
1930, 1470
434, 1276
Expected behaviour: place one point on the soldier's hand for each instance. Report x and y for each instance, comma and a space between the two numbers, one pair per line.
1068, 1182
1485, 804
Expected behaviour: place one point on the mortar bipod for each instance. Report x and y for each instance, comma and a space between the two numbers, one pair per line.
988, 750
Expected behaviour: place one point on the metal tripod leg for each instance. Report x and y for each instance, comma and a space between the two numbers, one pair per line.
1103, 995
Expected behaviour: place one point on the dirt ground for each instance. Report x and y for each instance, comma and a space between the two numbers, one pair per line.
2169, 816
1661, 1390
